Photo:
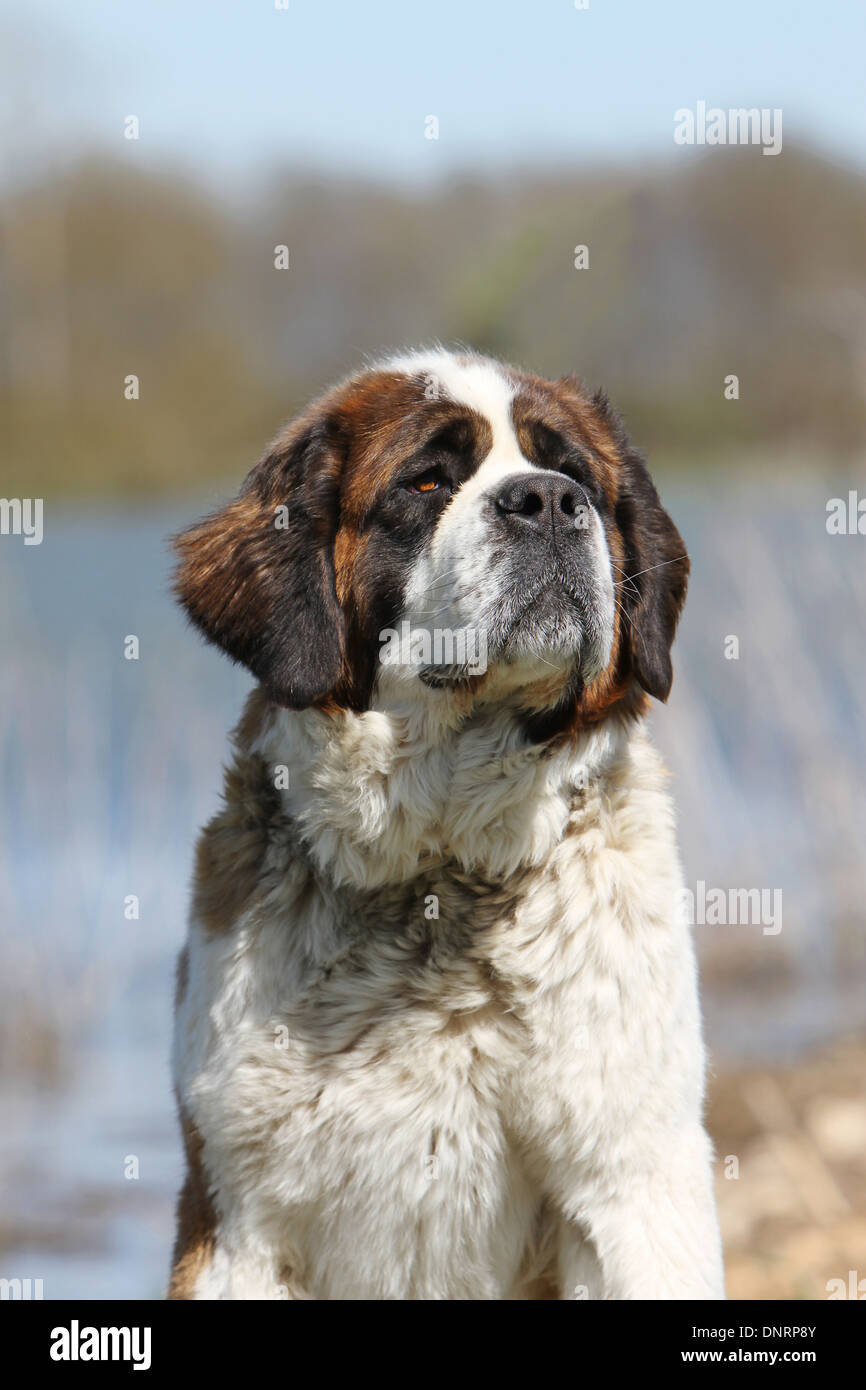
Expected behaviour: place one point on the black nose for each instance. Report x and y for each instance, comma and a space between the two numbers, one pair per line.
546, 502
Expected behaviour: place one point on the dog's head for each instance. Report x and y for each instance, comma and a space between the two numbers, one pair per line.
451, 524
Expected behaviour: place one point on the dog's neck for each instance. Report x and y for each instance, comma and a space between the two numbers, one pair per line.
379, 796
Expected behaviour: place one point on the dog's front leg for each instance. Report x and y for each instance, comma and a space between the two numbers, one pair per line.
654, 1233
231, 1275
213, 1257
218, 1269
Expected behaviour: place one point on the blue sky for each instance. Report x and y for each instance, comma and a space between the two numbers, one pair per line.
229, 87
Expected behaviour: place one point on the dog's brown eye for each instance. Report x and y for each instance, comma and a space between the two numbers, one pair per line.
430, 481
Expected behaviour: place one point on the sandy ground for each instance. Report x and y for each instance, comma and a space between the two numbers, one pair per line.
791, 1184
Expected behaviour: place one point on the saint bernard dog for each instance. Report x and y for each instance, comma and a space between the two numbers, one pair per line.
437, 1031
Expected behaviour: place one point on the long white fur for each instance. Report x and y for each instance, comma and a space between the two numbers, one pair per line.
574, 1134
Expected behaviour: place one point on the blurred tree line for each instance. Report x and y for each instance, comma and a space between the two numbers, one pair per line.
726, 264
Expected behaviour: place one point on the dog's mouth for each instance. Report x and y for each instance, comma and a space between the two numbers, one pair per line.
553, 613
554, 620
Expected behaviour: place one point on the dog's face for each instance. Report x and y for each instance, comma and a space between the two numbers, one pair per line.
446, 521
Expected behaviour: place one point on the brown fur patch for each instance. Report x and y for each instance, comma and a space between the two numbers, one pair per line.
256, 716
196, 1219
232, 847
565, 409
543, 1289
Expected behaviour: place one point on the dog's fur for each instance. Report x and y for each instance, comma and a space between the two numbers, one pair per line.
437, 1026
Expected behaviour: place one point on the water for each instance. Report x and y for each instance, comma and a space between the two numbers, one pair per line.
109, 766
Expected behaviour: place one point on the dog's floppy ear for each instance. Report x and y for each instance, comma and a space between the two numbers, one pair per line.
653, 589
257, 578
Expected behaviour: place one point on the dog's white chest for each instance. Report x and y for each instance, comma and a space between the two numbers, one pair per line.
382, 1167
391, 1106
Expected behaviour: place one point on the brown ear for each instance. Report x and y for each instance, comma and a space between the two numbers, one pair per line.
257, 578
653, 589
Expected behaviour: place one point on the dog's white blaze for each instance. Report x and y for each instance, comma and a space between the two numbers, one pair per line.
474, 381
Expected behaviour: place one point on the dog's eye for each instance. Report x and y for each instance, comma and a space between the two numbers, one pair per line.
431, 481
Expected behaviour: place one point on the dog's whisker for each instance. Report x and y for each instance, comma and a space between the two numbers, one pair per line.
661, 564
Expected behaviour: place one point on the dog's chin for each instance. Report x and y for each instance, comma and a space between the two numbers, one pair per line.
556, 631
551, 625
544, 639
539, 632
549, 628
